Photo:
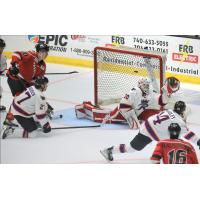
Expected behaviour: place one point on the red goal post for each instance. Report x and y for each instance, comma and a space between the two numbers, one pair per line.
117, 70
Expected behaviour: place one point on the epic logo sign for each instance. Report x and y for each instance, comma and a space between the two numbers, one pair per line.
54, 40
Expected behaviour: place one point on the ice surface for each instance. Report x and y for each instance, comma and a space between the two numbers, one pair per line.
78, 145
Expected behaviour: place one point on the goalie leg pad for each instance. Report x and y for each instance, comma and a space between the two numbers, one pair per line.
90, 111
94, 113
80, 111
131, 118
140, 141
99, 117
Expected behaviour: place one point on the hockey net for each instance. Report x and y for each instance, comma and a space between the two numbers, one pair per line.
117, 70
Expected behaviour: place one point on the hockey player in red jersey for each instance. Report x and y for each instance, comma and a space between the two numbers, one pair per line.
3, 66
30, 109
25, 68
174, 150
155, 128
138, 104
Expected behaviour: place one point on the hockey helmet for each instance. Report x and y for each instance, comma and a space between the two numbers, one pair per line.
2, 43
40, 81
39, 47
174, 130
180, 107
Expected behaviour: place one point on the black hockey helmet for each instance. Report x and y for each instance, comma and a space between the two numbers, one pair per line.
174, 130
2, 43
179, 107
40, 81
39, 47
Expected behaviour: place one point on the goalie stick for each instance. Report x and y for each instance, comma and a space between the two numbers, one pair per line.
151, 74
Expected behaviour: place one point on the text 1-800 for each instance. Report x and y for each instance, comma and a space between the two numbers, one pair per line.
82, 51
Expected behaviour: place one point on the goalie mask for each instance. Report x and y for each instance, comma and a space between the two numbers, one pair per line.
143, 84
174, 130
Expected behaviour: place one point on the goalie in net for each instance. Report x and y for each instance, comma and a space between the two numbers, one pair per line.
139, 104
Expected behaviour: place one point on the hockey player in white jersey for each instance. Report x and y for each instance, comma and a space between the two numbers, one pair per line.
155, 128
30, 108
140, 103
3, 66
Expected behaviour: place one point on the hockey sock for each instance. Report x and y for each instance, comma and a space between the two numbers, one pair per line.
123, 148
25, 134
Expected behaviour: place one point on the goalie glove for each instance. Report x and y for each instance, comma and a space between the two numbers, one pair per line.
172, 85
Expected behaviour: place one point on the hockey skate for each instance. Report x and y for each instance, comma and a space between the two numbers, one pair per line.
2, 108
107, 154
7, 130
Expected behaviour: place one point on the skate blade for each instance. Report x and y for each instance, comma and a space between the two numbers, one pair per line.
7, 131
104, 156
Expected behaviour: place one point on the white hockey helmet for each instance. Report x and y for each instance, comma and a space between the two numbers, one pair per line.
143, 84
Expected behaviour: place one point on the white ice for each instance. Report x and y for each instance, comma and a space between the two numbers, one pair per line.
77, 145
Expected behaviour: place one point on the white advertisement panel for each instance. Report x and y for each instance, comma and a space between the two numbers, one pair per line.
182, 53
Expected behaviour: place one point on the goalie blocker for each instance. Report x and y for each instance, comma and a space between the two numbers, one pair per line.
125, 112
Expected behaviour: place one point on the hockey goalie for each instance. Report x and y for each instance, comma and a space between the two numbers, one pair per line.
139, 104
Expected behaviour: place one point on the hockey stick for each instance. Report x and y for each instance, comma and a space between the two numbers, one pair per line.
57, 117
62, 73
73, 127
150, 72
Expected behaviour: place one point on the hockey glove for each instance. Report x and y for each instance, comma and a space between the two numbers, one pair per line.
49, 111
14, 70
46, 128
